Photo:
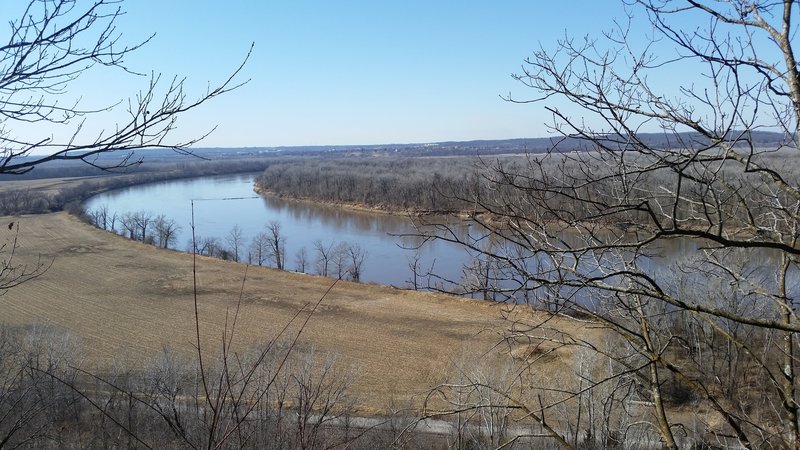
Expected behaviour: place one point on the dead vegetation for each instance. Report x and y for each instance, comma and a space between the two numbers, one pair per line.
121, 297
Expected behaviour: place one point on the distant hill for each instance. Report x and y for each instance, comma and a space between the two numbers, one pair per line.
500, 146
447, 148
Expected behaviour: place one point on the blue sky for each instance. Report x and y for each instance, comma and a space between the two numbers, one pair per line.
349, 72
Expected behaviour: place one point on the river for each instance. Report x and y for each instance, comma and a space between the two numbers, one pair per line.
221, 202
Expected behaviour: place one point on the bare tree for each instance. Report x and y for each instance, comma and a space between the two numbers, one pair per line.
414, 267
420, 277
18, 201
481, 276
52, 43
276, 244
301, 260
142, 220
234, 239
324, 256
166, 229
112, 222
129, 226
583, 230
106, 219
340, 260
483, 391
208, 246
100, 217
30, 402
356, 255
259, 249
321, 394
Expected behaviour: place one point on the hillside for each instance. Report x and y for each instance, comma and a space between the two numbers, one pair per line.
128, 300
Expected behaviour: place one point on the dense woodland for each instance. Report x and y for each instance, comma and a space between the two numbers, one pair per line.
395, 184
462, 184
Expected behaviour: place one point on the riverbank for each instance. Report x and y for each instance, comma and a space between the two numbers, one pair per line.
360, 207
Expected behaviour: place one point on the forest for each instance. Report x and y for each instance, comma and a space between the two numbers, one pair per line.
417, 185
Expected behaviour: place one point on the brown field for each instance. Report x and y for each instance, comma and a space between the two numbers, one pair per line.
46, 185
127, 298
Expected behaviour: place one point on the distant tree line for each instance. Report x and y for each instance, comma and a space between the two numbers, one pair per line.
396, 184
461, 184
35, 201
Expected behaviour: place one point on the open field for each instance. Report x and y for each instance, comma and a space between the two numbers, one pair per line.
125, 298
46, 185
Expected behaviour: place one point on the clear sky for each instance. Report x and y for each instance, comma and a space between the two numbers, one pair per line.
350, 72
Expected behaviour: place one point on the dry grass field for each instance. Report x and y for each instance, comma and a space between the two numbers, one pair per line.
46, 185
127, 299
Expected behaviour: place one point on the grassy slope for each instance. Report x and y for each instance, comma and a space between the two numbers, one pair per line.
131, 299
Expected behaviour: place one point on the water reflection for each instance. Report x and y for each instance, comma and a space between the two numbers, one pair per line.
335, 217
